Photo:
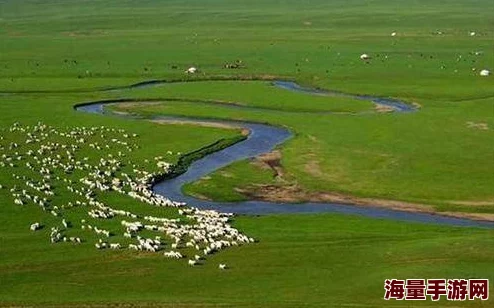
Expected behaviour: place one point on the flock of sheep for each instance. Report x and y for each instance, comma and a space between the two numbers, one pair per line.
48, 164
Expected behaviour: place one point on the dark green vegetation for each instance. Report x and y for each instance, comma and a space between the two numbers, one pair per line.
185, 160
432, 156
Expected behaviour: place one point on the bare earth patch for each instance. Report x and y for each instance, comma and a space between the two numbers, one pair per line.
313, 168
383, 108
136, 104
199, 196
480, 125
294, 194
121, 113
473, 203
313, 139
226, 174
474, 216
198, 123
96, 32
271, 160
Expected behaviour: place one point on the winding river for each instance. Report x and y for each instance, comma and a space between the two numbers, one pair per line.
262, 139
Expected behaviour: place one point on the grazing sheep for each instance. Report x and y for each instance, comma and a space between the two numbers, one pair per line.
485, 73
208, 229
191, 70
365, 57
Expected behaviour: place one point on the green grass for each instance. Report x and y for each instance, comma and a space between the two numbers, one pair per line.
261, 95
326, 260
431, 156
221, 185
62, 48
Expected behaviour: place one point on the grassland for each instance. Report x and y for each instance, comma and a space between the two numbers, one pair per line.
410, 157
313, 260
63, 50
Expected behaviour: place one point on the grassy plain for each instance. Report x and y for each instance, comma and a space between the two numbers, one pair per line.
423, 157
65, 49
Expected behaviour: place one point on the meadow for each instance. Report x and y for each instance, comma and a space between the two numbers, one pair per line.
55, 54
364, 153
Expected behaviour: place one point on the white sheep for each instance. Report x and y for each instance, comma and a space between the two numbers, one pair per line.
191, 70
210, 231
485, 73
364, 57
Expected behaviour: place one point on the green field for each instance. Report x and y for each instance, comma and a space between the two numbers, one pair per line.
54, 54
407, 157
